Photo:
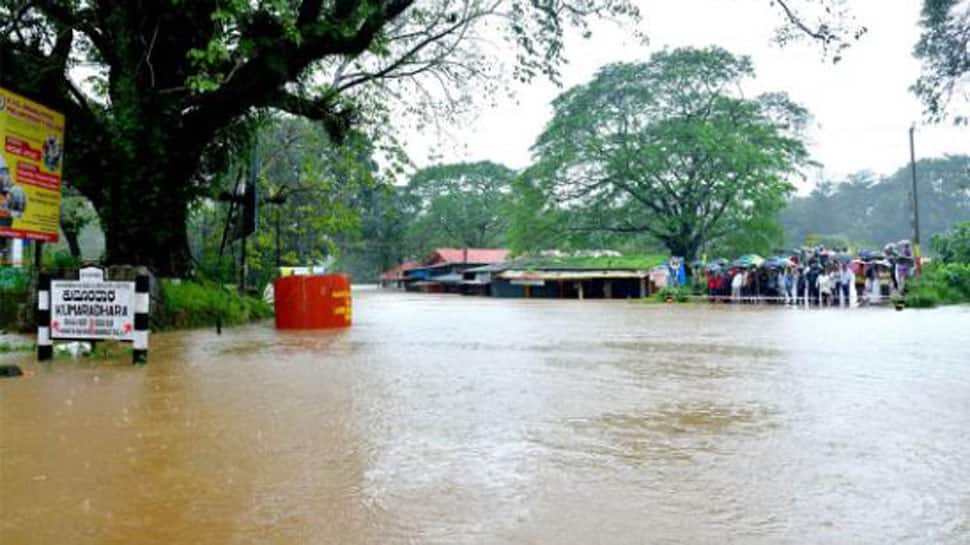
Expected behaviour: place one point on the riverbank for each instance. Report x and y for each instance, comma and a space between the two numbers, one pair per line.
177, 304
189, 305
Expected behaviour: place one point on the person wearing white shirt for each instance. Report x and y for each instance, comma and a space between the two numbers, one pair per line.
824, 283
848, 282
736, 284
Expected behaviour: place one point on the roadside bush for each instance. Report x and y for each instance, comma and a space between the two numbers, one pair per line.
679, 295
59, 259
953, 245
940, 284
190, 304
14, 293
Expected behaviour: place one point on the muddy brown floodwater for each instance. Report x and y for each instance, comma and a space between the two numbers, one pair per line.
455, 420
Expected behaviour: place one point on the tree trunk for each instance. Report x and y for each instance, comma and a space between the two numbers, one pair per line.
151, 233
145, 212
73, 244
686, 249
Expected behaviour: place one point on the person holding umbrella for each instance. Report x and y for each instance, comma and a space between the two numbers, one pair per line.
846, 284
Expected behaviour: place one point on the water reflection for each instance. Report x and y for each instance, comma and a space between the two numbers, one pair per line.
442, 419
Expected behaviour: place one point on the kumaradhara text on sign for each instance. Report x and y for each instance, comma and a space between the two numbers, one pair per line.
91, 309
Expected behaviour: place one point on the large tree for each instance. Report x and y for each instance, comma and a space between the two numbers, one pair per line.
173, 83
311, 194
458, 205
672, 148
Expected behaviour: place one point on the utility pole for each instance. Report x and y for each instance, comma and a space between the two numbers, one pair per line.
915, 202
249, 216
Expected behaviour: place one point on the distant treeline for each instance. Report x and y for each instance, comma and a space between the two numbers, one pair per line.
866, 210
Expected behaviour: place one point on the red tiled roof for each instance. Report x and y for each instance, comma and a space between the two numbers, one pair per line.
397, 271
484, 256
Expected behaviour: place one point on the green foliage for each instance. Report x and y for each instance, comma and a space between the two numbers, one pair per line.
867, 209
314, 195
940, 284
641, 262
460, 205
190, 305
943, 47
14, 280
177, 85
761, 235
379, 244
7, 347
953, 246
536, 223
14, 292
677, 295
56, 258
324, 187
670, 148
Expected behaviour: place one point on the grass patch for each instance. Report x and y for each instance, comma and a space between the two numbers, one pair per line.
192, 305
6, 348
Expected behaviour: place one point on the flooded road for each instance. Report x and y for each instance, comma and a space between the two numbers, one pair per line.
451, 420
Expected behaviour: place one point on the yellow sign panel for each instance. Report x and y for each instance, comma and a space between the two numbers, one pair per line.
32, 136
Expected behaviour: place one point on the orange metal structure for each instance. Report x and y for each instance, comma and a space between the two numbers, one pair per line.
312, 302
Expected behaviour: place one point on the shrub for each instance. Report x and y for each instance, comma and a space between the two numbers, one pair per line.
14, 293
59, 259
676, 294
940, 284
953, 245
191, 304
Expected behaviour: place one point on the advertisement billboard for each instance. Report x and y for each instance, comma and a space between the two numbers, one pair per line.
32, 136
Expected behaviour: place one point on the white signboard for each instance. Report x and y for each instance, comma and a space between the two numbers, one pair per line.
91, 274
92, 309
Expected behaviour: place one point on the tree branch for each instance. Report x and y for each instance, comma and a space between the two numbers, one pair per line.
336, 120
259, 80
822, 34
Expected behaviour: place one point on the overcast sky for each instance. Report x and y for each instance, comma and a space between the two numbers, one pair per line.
862, 107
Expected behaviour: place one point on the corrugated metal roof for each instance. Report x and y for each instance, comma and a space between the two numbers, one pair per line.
468, 255
571, 275
397, 272
488, 268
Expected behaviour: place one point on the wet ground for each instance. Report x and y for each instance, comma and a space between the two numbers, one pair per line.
451, 420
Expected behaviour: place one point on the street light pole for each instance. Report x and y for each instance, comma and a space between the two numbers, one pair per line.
915, 202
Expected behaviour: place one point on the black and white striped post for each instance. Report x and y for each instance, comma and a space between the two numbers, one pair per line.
139, 353
45, 347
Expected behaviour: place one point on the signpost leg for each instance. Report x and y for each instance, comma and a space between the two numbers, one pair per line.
45, 348
139, 353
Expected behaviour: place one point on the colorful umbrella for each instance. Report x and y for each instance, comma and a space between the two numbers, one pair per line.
749, 260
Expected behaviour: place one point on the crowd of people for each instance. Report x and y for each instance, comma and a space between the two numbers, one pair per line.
816, 276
